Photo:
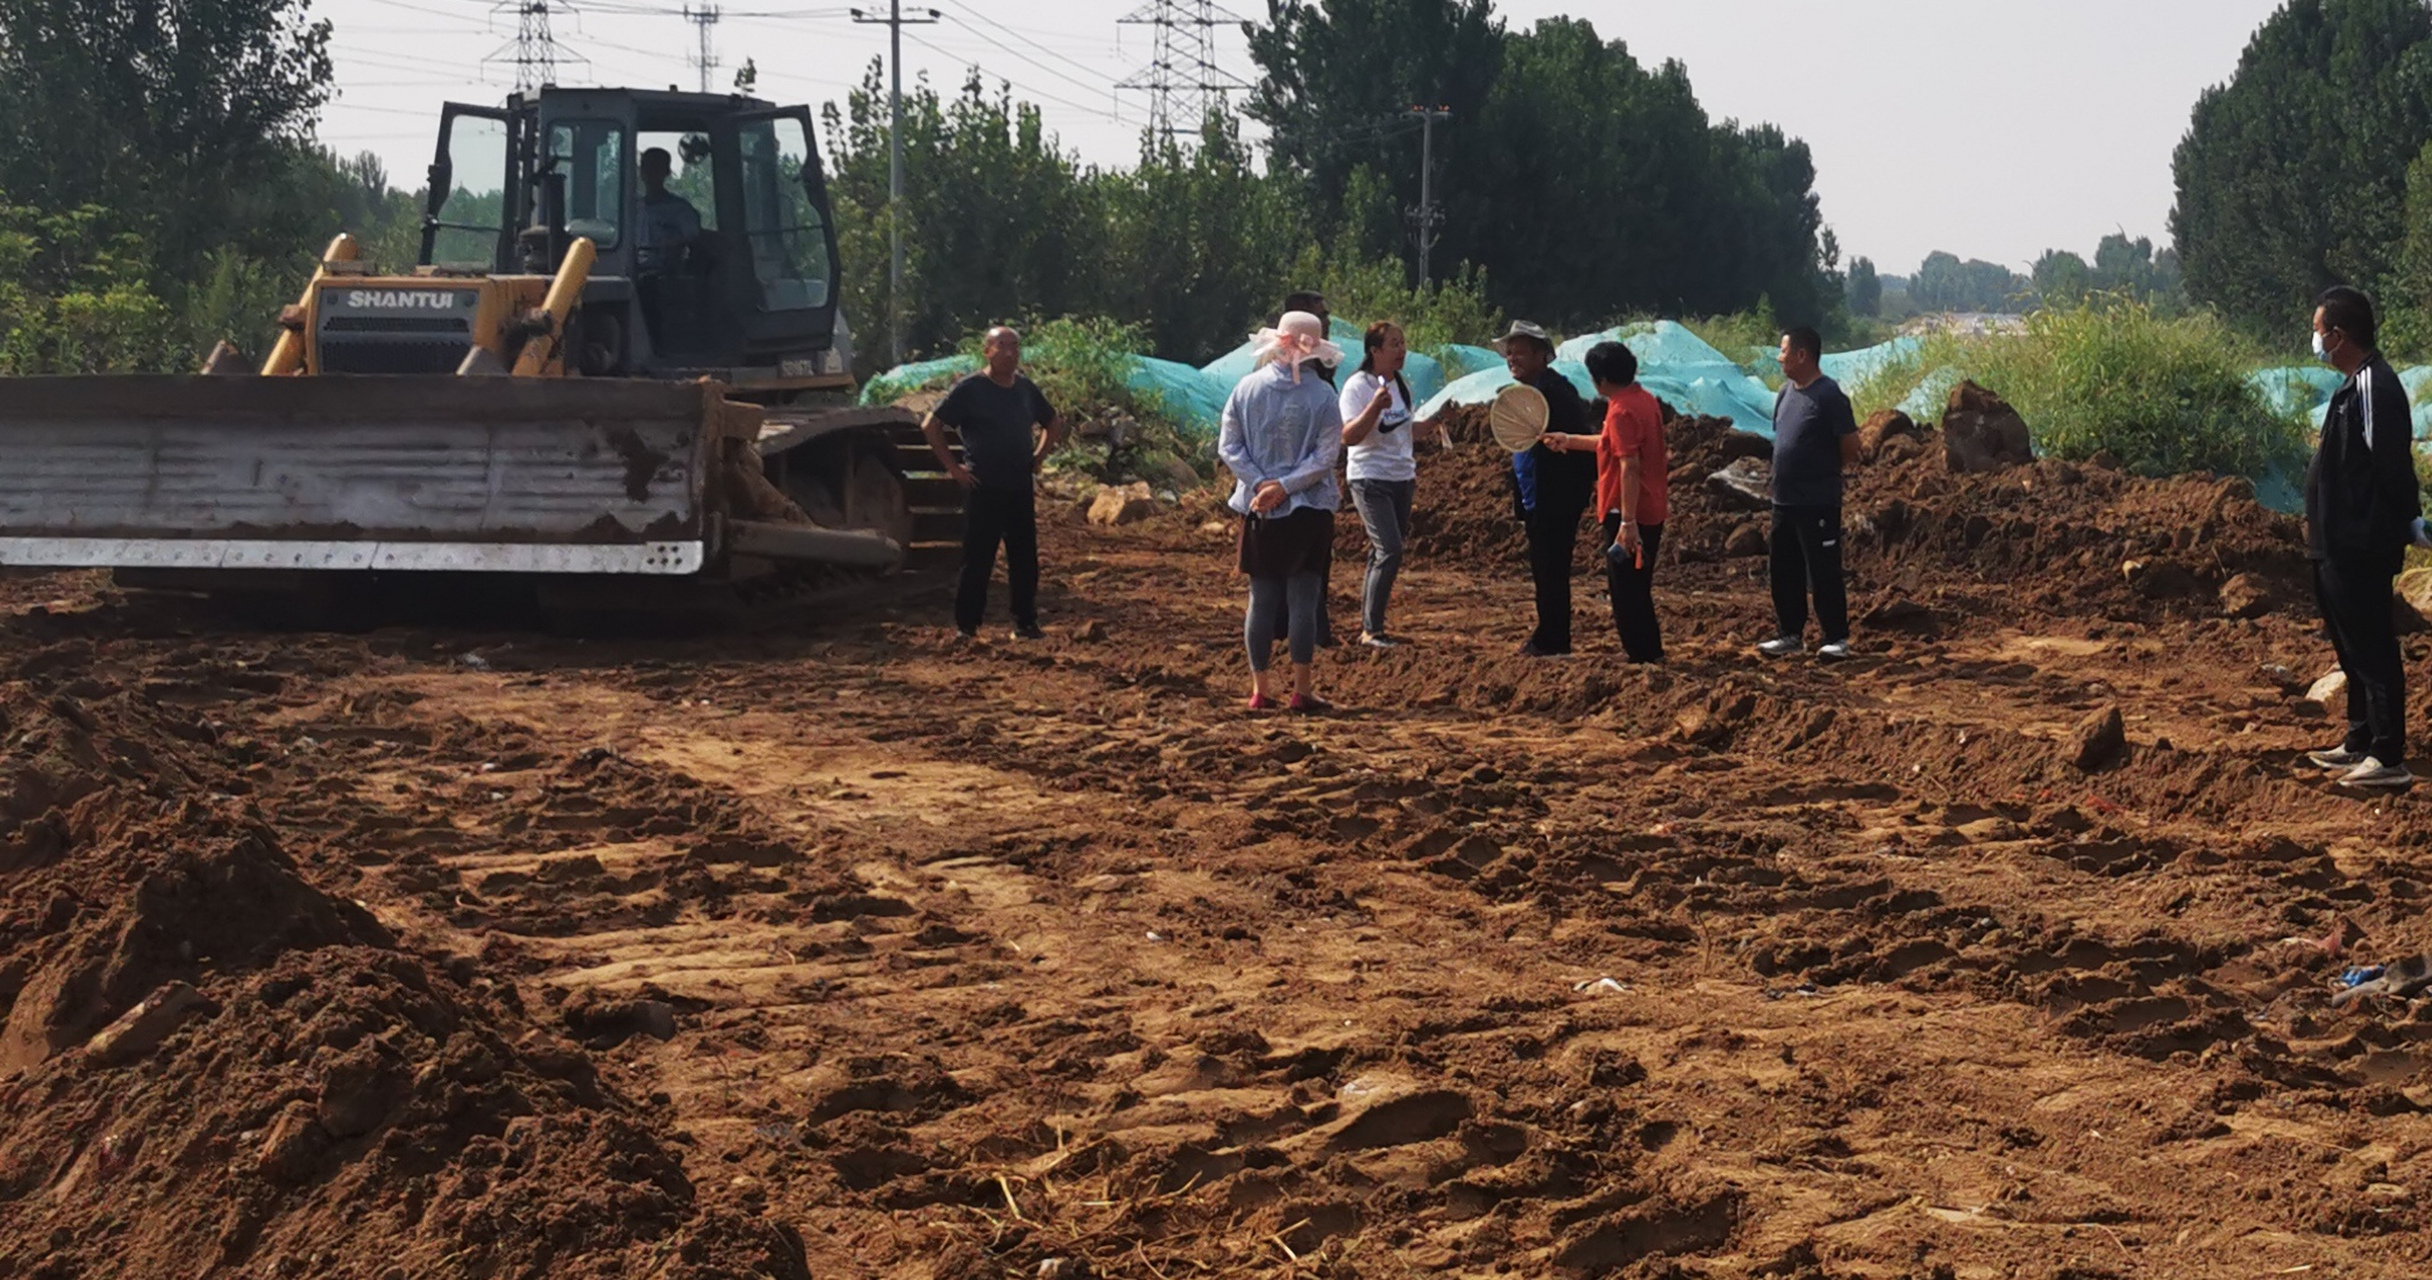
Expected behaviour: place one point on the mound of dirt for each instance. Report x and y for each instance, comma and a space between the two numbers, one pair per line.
2075, 539
205, 1060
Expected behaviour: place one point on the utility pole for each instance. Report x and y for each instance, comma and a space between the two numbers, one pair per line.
894, 19
1428, 215
704, 18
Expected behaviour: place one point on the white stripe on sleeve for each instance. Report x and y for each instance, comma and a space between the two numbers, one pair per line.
2364, 385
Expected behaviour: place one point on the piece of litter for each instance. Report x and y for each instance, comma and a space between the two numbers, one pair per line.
1599, 984
2359, 977
1155, 936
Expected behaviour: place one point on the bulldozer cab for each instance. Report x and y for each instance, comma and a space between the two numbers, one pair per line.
709, 213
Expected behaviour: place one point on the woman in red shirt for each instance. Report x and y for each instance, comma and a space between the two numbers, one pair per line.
1631, 496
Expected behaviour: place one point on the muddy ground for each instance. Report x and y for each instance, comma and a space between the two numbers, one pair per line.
833, 947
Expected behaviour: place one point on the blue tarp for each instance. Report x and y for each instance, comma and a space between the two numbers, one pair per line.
1195, 397
1674, 365
1850, 367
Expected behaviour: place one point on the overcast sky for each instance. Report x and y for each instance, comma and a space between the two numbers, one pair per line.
1991, 128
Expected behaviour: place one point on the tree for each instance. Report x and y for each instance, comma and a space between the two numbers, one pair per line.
1584, 182
169, 114
1198, 242
2292, 176
1944, 283
1339, 79
1865, 288
2062, 278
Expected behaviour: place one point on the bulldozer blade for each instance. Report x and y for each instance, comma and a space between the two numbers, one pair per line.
510, 475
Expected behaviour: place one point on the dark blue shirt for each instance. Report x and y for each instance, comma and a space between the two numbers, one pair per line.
996, 424
1542, 473
1808, 425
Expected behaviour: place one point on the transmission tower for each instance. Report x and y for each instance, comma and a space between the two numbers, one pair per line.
703, 18
535, 53
1182, 80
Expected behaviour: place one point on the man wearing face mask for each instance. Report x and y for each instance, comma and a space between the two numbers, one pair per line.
2362, 508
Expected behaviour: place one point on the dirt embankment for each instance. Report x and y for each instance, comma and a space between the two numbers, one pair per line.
1924, 542
206, 1060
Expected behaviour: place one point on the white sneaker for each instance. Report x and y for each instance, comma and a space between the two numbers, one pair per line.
2338, 759
1375, 641
2373, 773
1783, 647
1833, 651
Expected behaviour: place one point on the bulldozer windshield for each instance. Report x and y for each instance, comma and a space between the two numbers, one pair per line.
590, 155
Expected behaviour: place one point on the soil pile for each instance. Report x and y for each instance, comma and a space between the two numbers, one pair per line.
206, 1059
2078, 539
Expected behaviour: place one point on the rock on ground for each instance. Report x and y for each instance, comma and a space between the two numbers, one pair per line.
1981, 432
1127, 504
2246, 595
1885, 425
2099, 739
1745, 485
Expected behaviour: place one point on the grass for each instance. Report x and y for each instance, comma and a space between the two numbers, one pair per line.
2163, 395
1083, 366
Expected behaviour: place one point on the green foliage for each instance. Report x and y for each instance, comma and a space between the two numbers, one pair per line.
1581, 180
1447, 311
2406, 320
2164, 395
74, 297
1735, 334
1197, 243
1944, 283
176, 115
2293, 176
2062, 279
1865, 289
2122, 268
1083, 366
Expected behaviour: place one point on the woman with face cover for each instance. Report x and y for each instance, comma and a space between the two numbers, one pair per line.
1282, 434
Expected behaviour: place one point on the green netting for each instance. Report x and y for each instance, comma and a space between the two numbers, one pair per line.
1192, 398
906, 379
1459, 362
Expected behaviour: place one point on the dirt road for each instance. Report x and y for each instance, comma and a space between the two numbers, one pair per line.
837, 947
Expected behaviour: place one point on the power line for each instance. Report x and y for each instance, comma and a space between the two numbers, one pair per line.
1035, 93
976, 15
1182, 80
534, 51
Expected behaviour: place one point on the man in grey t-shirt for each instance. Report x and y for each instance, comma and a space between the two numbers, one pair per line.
1815, 437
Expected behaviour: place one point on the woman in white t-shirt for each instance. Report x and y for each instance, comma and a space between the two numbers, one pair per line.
1384, 470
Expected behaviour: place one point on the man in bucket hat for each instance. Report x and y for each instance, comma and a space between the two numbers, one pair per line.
1552, 489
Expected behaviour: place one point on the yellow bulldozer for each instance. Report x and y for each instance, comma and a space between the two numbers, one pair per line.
619, 362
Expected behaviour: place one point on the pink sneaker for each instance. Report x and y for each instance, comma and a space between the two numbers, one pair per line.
1261, 702
1309, 705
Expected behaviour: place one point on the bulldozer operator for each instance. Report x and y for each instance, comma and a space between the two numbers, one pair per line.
670, 225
